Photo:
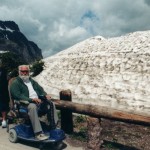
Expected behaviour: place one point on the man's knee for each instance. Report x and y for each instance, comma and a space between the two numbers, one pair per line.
32, 106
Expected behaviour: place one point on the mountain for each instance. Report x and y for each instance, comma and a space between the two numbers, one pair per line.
110, 72
11, 39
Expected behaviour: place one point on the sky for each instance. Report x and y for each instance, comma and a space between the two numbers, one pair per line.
55, 25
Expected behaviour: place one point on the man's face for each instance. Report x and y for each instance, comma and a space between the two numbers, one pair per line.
24, 73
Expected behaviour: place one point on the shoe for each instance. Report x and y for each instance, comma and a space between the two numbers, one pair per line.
60, 145
41, 137
3, 124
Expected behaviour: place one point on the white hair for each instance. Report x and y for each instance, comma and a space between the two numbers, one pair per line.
27, 66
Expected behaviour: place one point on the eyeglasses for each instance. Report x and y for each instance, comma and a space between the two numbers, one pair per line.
24, 71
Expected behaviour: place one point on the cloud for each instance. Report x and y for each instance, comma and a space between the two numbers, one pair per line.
56, 25
147, 2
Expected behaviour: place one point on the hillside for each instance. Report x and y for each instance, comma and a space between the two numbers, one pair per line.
13, 40
110, 72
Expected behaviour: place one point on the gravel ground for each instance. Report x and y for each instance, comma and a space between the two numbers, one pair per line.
5, 144
116, 136
125, 136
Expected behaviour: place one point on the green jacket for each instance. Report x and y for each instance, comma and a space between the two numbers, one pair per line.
19, 91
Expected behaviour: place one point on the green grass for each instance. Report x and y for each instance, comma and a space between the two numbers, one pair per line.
80, 130
80, 119
81, 135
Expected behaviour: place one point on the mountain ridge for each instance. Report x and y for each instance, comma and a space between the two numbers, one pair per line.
13, 40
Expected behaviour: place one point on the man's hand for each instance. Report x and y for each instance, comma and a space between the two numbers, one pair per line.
48, 97
36, 100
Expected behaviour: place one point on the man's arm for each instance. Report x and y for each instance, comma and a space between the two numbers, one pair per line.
39, 89
16, 93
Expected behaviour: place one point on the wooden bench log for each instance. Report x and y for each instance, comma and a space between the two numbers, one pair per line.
102, 112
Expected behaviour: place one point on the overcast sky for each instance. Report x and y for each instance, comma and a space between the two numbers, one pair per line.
55, 25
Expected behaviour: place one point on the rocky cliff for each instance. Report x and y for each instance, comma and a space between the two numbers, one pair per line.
111, 72
11, 39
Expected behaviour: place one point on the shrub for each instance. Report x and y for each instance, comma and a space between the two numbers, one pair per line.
37, 67
10, 61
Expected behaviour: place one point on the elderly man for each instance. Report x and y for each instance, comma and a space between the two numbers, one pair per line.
25, 88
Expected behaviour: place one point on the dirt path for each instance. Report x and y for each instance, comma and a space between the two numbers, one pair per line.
5, 144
